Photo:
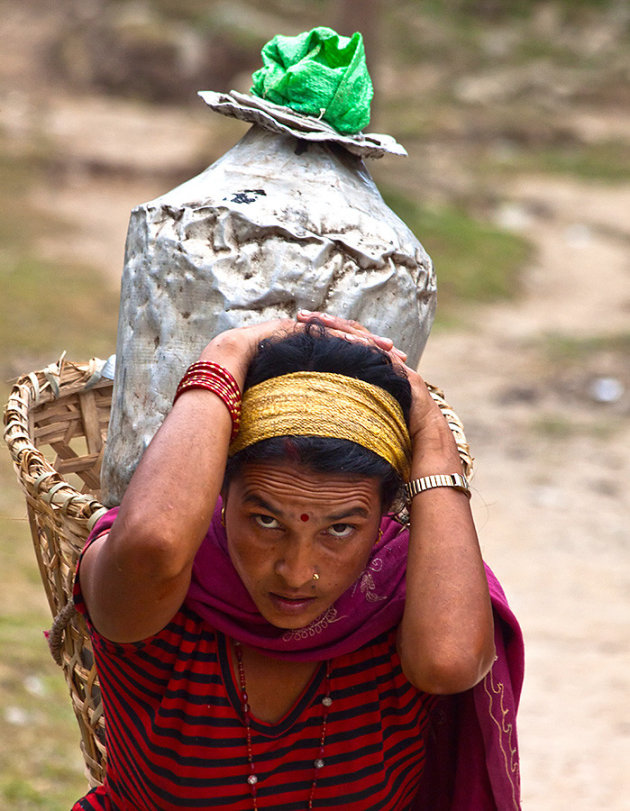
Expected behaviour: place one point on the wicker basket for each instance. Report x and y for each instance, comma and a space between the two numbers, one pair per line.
64, 410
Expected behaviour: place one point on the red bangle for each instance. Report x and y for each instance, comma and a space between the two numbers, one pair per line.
204, 366
208, 368
218, 380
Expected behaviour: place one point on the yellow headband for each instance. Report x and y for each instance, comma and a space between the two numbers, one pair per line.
328, 405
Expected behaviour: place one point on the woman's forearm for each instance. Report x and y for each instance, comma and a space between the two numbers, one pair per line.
446, 635
136, 578
169, 502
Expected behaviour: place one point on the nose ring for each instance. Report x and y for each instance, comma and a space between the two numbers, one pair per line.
315, 576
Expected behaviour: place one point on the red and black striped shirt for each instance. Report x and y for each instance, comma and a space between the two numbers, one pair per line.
176, 737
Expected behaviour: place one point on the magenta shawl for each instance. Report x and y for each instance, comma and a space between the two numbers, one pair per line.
473, 754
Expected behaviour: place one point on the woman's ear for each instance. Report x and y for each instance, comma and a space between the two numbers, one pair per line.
225, 488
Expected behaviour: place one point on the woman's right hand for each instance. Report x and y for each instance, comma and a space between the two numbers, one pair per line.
235, 348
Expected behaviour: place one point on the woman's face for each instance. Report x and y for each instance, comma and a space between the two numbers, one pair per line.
284, 523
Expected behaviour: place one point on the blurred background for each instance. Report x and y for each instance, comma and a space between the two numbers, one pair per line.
516, 117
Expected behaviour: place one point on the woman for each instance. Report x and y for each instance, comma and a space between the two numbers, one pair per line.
265, 650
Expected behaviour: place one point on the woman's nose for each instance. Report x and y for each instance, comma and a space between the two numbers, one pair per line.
296, 566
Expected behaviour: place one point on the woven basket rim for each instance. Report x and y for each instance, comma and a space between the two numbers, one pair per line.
36, 474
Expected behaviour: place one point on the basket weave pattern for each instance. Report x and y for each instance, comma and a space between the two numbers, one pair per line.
64, 410
53, 410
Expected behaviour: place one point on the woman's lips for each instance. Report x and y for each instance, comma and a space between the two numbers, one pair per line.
290, 605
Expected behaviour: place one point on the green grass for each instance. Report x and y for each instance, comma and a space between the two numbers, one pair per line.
558, 427
40, 760
563, 349
474, 261
608, 162
45, 308
48, 309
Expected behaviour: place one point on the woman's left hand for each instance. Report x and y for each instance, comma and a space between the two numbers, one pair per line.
425, 419
352, 331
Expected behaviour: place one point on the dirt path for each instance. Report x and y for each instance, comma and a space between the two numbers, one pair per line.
551, 504
553, 511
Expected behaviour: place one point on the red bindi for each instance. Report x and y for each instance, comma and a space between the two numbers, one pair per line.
304, 517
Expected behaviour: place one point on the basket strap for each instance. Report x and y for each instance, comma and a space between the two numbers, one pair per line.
60, 623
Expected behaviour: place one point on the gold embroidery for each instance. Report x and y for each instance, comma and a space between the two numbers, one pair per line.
366, 583
316, 627
506, 730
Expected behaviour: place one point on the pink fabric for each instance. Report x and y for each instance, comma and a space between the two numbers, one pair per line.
473, 762
474, 747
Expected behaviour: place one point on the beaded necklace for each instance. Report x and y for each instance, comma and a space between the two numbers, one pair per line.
318, 763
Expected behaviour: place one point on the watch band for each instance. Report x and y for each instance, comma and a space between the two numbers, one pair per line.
455, 480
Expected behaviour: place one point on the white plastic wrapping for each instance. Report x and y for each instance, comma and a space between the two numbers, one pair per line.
277, 224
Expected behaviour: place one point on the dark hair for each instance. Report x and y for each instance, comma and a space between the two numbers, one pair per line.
314, 349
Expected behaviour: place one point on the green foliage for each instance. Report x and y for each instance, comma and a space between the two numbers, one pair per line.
474, 261
605, 161
46, 307
562, 349
505, 9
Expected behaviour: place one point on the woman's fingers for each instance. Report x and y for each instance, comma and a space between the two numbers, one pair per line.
241, 343
352, 330
399, 353
346, 325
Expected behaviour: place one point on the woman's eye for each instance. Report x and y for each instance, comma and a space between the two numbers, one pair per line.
266, 521
340, 530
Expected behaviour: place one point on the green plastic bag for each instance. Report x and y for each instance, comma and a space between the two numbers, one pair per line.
319, 73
